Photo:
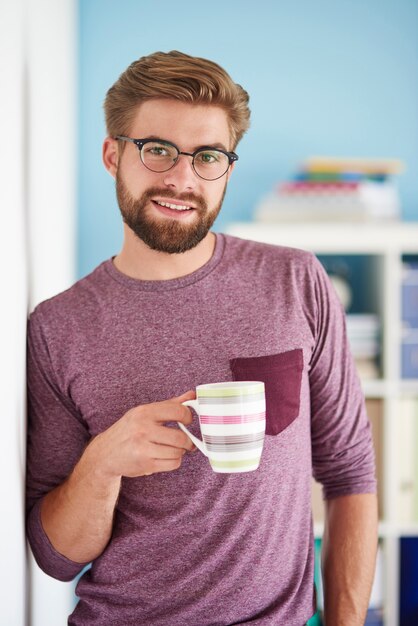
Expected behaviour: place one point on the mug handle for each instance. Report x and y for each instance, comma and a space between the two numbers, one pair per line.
197, 442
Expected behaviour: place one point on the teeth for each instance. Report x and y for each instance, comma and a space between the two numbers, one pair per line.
176, 207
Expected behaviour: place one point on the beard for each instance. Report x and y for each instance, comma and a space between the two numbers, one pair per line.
165, 235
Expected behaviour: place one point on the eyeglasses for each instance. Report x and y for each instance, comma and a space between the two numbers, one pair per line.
159, 155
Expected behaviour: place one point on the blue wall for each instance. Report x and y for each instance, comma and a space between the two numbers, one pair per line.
326, 77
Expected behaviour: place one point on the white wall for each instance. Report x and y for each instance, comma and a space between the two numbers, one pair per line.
12, 318
51, 38
37, 252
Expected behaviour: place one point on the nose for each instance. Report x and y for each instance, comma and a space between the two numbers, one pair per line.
181, 177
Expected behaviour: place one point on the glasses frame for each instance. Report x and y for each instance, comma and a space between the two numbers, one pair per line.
140, 143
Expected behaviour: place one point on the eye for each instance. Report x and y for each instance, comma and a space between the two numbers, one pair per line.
153, 151
207, 158
157, 150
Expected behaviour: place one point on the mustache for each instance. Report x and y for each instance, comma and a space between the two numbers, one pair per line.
192, 198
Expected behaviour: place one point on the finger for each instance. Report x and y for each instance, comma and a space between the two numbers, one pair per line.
189, 395
172, 411
161, 452
166, 411
165, 465
172, 437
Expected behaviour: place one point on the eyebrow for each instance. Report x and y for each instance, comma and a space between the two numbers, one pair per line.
216, 145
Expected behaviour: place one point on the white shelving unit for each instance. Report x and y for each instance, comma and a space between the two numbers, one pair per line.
386, 244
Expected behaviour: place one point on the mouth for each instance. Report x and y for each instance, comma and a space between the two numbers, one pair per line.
173, 208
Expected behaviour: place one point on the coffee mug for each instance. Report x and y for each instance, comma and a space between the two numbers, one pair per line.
232, 418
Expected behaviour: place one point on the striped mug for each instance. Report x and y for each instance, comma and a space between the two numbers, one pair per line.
232, 418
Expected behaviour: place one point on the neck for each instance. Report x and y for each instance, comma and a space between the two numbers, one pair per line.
137, 260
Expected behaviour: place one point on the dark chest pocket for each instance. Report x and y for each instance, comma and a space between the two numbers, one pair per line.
282, 376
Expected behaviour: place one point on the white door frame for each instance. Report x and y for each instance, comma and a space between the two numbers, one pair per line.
38, 44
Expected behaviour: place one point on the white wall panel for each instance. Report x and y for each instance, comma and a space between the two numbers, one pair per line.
37, 252
51, 57
51, 40
12, 318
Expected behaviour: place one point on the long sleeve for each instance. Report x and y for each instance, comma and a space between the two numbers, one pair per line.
342, 448
56, 440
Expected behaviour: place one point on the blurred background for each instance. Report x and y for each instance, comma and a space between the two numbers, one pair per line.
326, 79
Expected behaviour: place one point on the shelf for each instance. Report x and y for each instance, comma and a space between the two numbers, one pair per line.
385, 531
408, 387
378, 388
333, 238
384, 388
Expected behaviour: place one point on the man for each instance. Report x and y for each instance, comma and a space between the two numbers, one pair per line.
111, 479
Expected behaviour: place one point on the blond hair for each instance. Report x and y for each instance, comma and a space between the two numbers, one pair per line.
174, 75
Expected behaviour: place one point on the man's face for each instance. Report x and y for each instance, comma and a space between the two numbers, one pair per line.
143, 195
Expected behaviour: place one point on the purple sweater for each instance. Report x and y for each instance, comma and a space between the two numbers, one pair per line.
192, 547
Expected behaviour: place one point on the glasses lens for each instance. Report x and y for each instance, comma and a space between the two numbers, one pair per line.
210, 164
158, 156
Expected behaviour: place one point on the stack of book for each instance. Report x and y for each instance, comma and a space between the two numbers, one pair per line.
363, 330
331, 189
410, 320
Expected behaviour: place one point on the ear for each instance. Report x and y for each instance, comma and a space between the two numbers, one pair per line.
110, 155
231, 167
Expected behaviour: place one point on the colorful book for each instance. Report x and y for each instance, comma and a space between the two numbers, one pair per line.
344, 164
408, 600
313, 187
375, 617
301, 201
330, 177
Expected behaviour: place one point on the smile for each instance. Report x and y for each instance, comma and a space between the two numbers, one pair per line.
174, 207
